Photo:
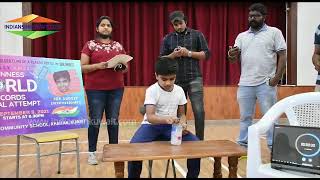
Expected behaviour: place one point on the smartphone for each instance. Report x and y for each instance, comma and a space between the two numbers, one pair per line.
177, 48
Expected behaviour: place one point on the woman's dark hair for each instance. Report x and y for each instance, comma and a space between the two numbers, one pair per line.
166, 66
259, 7
102, 18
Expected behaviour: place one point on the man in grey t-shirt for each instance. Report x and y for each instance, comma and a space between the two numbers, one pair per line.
261, 51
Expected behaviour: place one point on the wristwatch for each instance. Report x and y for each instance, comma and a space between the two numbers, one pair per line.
189, 54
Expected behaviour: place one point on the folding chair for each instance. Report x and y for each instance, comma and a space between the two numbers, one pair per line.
40, 138
167, 168
142, 111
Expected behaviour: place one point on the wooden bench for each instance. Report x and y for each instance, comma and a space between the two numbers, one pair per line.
157, 150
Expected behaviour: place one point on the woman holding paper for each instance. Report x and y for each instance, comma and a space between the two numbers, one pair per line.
104, 85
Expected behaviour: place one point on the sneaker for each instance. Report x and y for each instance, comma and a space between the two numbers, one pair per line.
92, 159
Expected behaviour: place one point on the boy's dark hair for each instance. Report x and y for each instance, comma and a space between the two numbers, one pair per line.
166, 66
259, 7
61, 74
102, 18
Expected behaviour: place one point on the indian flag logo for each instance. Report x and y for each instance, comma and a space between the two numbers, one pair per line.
66, 111
32, 26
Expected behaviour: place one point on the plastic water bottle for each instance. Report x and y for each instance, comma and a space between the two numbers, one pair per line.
176, 134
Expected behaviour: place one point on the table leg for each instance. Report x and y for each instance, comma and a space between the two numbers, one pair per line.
217, 168
233, 166
119, 169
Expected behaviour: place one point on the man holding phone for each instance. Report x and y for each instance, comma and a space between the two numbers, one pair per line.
261, 51
188, 47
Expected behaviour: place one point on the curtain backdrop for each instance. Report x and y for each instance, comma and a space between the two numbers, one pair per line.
140, 27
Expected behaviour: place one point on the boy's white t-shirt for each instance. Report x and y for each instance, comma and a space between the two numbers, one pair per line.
166, 102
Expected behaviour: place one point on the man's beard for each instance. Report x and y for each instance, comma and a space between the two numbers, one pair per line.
104, 36
255, 24
182, 31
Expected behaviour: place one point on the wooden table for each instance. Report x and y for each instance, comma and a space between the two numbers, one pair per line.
119, 153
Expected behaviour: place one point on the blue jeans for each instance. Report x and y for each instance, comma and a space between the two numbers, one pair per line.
247, 96
99, 101
162, 132
194, 89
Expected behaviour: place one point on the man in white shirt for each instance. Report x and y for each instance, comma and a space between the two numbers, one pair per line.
164, 103
261, 51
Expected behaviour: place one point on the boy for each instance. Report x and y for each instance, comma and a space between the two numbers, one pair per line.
62, 80
164, 103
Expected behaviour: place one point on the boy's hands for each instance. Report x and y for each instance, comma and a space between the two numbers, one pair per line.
185, 131
182, 121
172, 120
